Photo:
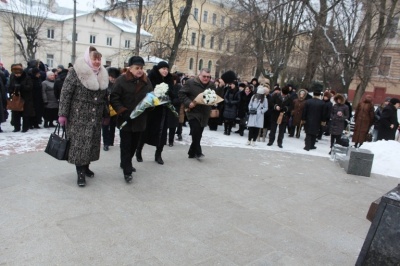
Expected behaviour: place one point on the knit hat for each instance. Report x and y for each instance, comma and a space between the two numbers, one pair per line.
260, 90
136, 60
60, 66
162, 64
394, 101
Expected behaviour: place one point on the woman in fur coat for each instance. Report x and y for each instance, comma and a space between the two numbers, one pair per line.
157, 118
83, 109
364, 119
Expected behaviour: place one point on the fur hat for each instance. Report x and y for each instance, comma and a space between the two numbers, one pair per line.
338, 97
228, 77
260, 90
136, 60
394, 101
162, 64
16, 68
113, 72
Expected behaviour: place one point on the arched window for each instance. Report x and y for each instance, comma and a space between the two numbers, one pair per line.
200, 64
191, 63
209, 65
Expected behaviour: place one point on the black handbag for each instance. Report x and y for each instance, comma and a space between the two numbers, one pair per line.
58, 145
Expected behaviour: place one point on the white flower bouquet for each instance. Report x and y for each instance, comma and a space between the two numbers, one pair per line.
160, 91
208, 97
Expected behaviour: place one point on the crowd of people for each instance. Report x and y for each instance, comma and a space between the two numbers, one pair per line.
91, 101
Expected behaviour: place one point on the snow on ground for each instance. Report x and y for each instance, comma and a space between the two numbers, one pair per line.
386, 153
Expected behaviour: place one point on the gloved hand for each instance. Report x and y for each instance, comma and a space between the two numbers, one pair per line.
106, 121
62, 120
126, 115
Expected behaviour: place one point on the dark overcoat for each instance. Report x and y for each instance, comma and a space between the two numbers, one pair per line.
285, 105
388, 117
83, 102
24, 86
188, 93
337, 124
313, 114
231, 100
364, 119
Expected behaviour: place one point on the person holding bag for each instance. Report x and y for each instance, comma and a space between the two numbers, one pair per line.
258, 105
83, 109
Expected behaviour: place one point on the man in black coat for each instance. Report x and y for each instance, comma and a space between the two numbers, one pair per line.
281, 105
314, 114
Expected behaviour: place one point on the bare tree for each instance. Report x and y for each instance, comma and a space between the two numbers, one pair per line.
25, 22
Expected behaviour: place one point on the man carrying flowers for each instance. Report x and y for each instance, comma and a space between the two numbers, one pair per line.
197, 113
129, 90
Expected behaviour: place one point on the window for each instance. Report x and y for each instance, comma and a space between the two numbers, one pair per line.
193, 38
50, 60
384, 66
92, 39
127, 43
228, 45
214, 19
205, 16
200, 64
191, 63
196, 13
222, 21
393, 28
209, 65
220, 41
50, 33
212, 42
203, 40
109, 41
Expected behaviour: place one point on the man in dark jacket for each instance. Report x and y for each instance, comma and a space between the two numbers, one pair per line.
388, 123
197, 114
129, 90
281, 105
314, 114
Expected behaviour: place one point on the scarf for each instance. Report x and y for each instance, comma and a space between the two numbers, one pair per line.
89, 62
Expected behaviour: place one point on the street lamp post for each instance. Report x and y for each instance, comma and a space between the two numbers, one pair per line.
73, 56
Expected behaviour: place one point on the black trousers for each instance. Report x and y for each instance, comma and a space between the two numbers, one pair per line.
274, 127
196, 131
109, 132
253, 133
171, 134
335, 139
16, 119
310, 141
129, 143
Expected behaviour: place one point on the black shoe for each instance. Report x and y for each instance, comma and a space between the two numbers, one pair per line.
128, 178
237, 131
269, 144
159, 160
81, 179
133, 168
291, 135
171, 144
199, 156
88, 172
139, 156
191, 157
241, 133
313, 148
36, 126
24, 130
330, 152
105, 148
280, 146
180, 137
307, 149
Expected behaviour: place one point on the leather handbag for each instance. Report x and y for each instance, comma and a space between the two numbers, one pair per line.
58, 145
214, 113
15, 103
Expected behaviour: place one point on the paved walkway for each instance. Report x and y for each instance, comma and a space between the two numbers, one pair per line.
236, 207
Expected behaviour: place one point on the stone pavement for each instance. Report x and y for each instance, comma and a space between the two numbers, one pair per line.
235, 207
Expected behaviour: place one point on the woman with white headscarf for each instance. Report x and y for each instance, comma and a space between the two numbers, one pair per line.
83, 110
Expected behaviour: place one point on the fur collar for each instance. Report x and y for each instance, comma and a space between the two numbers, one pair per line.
88, 79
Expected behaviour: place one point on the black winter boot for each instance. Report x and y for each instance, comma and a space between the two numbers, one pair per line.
80, 170
87, 171
139, 155
158, 158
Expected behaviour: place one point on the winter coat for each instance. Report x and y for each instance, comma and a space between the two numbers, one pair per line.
313, 114
364, 119
3, 103
285, 105
83, 102
158, 117
58, 83
173, 121
24, 86
49, 98
37, 97
337, 121
388, 117
243, 107
298, 106
127, 93
377, 116
232, 100
257, 120
188, 93
267, 114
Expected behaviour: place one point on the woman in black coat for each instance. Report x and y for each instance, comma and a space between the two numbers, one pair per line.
388, 123
157, 118
243, 109
232, 100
